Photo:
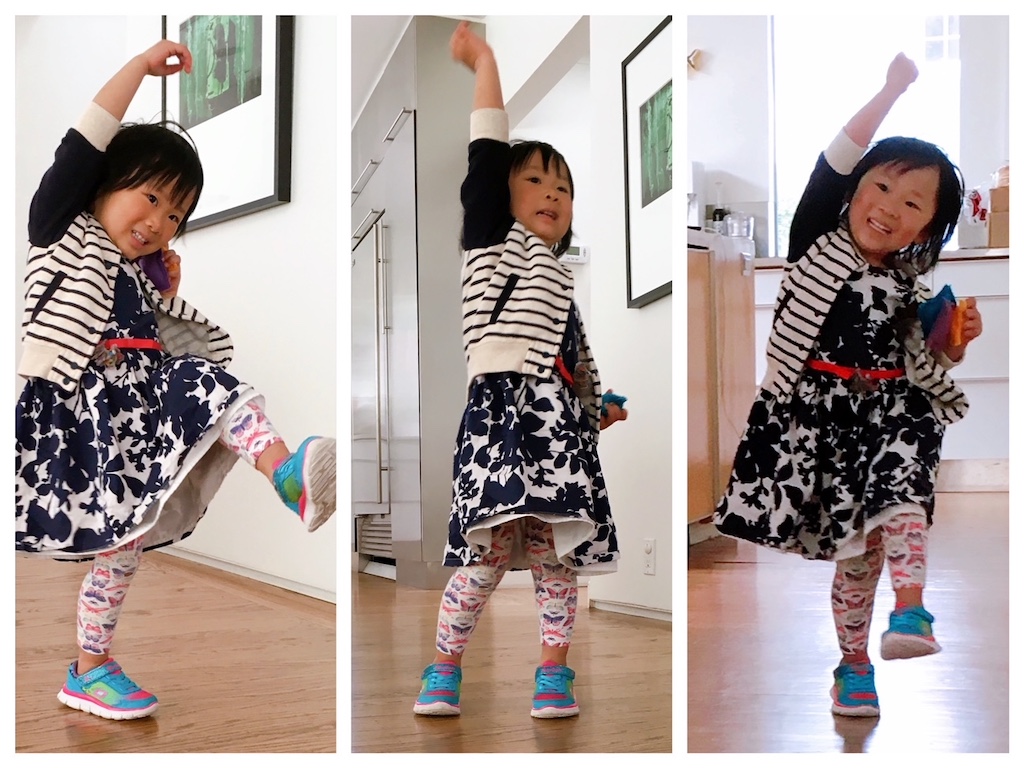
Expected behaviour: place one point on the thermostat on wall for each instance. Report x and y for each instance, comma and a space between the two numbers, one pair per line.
575, 254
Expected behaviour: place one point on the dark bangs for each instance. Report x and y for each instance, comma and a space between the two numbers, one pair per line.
158, 154
522, 151
908, 154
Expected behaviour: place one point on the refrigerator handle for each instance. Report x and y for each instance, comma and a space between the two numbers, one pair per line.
377, 248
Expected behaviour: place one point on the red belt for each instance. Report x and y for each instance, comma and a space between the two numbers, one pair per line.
131, 344
560, 365
845, 372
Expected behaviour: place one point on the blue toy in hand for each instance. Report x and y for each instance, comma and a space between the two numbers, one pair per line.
611, 398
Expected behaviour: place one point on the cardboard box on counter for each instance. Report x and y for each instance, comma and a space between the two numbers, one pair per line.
999, 199
999, 229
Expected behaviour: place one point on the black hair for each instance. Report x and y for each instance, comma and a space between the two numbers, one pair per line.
522, 152
907, 154
153, 153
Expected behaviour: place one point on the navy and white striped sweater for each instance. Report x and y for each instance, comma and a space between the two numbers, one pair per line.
516, 295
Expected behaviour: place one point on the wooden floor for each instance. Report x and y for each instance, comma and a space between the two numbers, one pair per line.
238, 666
762, 647
623, 677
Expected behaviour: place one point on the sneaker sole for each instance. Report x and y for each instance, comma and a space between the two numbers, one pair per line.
899, 646
319, 477
550, 712
861, 711
437, 709
93, 708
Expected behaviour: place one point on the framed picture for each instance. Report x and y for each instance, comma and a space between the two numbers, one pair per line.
237, 107
647, 140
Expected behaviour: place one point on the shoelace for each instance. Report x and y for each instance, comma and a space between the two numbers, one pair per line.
120, 682
860, 680
551, 681
441, 679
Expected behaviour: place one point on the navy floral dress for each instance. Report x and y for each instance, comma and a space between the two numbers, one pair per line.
133, 450
816, 474
526, 448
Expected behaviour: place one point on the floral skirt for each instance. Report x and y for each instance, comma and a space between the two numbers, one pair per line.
525, 448
134, 450
815, 475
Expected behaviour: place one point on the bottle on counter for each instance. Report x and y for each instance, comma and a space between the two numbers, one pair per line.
719, 213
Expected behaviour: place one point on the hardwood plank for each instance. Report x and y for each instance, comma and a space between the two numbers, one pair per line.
623, 670
762, 647
238, 666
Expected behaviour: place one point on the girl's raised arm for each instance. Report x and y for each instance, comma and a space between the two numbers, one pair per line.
473, 51
119, 91
862, 126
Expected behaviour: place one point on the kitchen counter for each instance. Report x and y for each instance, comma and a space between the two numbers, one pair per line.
951, 254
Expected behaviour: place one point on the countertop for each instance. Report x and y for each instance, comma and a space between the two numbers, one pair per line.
952, 254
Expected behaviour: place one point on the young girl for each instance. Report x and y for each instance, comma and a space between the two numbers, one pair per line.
839, 457
528, 488
128, 422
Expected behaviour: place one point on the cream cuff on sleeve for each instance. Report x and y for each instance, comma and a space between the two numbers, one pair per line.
488, 123
843, 153
98, 126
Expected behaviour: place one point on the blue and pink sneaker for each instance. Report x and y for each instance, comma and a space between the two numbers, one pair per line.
909, 634
439, 694
553, 696
854, 692
106, 691
307, 481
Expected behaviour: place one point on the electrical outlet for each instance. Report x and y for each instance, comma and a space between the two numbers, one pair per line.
649, 557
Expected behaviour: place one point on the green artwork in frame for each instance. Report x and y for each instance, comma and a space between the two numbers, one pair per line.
227, 57
656, 145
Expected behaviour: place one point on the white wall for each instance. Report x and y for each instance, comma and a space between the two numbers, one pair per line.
269, 278
633, 346
727, 106
520, 45
563, 120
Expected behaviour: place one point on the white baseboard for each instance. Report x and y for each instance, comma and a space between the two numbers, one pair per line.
631, 610
380, 569
973, 476
249, 573
699, 532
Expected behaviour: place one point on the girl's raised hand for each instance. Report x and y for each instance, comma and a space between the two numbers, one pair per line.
156, 59
467, 46
902, 72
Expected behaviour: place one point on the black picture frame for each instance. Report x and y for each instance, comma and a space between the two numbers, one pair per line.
647, 75
244, 141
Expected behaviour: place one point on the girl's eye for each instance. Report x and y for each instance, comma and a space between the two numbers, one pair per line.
174, 217
882, 186
534, 180
563, 189
912, 204
151, 198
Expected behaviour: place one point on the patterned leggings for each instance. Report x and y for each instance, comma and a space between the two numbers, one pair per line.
903, 542
471, 585
248, 434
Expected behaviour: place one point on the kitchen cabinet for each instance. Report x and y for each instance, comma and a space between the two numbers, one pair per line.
720, 362
408, 369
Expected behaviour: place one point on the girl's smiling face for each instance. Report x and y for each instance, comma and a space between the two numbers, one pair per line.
892, 208
542, 199
141, 220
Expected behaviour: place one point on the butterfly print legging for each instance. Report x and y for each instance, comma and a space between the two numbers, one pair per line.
903, 542
471, 585
248, 433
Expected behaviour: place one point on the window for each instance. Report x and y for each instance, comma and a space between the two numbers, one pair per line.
825, 69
